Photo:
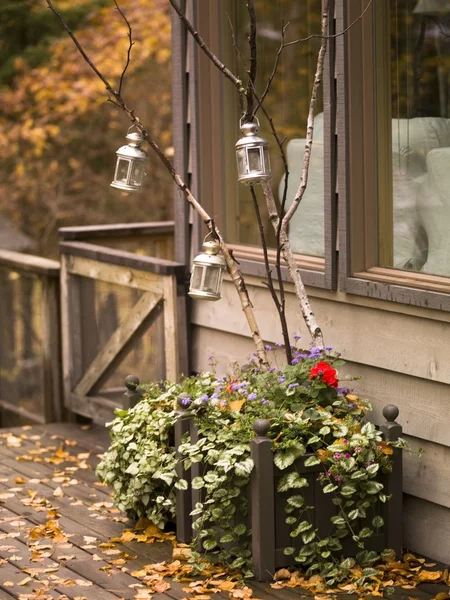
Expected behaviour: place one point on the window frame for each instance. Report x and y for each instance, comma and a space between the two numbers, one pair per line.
361, 172
202, 143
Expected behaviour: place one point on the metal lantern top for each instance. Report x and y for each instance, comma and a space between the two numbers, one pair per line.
250, 131
133, 148
130, 164
252, 153
211, 256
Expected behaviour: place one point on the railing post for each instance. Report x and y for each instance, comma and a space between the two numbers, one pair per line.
132, 395
263, 503
393, 510
183, 497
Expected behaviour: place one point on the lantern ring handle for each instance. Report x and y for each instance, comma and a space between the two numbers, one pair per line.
255, 118
131, 127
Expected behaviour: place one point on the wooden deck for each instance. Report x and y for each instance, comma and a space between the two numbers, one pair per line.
57, 522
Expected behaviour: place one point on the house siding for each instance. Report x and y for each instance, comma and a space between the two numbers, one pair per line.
401, 356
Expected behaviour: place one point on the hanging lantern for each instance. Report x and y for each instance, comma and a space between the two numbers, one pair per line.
207, 272
129, 175
252, 154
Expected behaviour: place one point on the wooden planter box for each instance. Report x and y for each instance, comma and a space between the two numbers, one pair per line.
267, 516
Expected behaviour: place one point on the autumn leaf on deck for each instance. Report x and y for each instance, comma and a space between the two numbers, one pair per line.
429, 576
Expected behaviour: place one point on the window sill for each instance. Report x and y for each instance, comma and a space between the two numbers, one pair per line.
251, 262
405, 287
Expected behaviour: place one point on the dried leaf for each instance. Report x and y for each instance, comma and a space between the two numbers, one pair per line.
282, 574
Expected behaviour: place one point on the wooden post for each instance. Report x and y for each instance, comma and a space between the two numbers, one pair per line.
393, 509
51, 350
183, 497
132, 395
263, 503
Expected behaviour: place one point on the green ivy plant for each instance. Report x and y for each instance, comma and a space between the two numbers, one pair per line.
312, 419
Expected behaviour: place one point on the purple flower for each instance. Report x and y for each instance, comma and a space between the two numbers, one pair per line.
281, 379
268, 348
347, 455
238, 386
328, 473
297, 337
337, 477
272, 369
251, 396
351, 405
329, 348
343, 390
278, 345
264, 401
243, 391
186, 402
211, 357
294, 361
292, 385
214, 396
358, 449
204, 398
337, 455
315, 351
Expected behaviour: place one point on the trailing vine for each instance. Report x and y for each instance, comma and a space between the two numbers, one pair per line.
314, 423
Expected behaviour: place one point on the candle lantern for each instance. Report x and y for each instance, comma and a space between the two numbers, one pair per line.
207, 273
252, 154
130, 165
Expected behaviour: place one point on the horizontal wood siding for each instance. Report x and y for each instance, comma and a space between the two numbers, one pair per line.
399, 358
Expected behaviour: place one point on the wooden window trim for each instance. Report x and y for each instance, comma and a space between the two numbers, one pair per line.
359, 183
201, 133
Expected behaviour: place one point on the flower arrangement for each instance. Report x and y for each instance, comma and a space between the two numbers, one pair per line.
310, 416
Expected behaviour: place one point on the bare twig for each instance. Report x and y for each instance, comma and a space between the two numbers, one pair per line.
284, 45
275, 68
253, 61
212, 57
279, 305
130, 45
233, 270
309, 128
335, 35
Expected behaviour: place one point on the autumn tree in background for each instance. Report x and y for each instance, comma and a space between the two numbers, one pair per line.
58, 137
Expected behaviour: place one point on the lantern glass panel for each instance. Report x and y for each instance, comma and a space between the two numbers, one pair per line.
254, 159
196, 278
241, 163
266, 159
137, 173
122, 170
211, 283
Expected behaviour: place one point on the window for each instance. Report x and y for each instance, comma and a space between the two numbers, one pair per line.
214, 130
287, 103
395, 189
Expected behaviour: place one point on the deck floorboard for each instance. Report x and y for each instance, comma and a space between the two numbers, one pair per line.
36, 477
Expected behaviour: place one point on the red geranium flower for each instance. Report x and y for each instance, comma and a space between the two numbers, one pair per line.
326, 372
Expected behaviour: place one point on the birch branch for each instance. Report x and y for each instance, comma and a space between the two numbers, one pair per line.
281, 223
233, 270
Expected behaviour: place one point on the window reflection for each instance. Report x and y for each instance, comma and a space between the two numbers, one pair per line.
420, 94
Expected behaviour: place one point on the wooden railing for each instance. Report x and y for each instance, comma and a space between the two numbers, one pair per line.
119, 296
118, 306
30, 356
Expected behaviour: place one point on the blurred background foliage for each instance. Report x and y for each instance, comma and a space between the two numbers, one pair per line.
58, 133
